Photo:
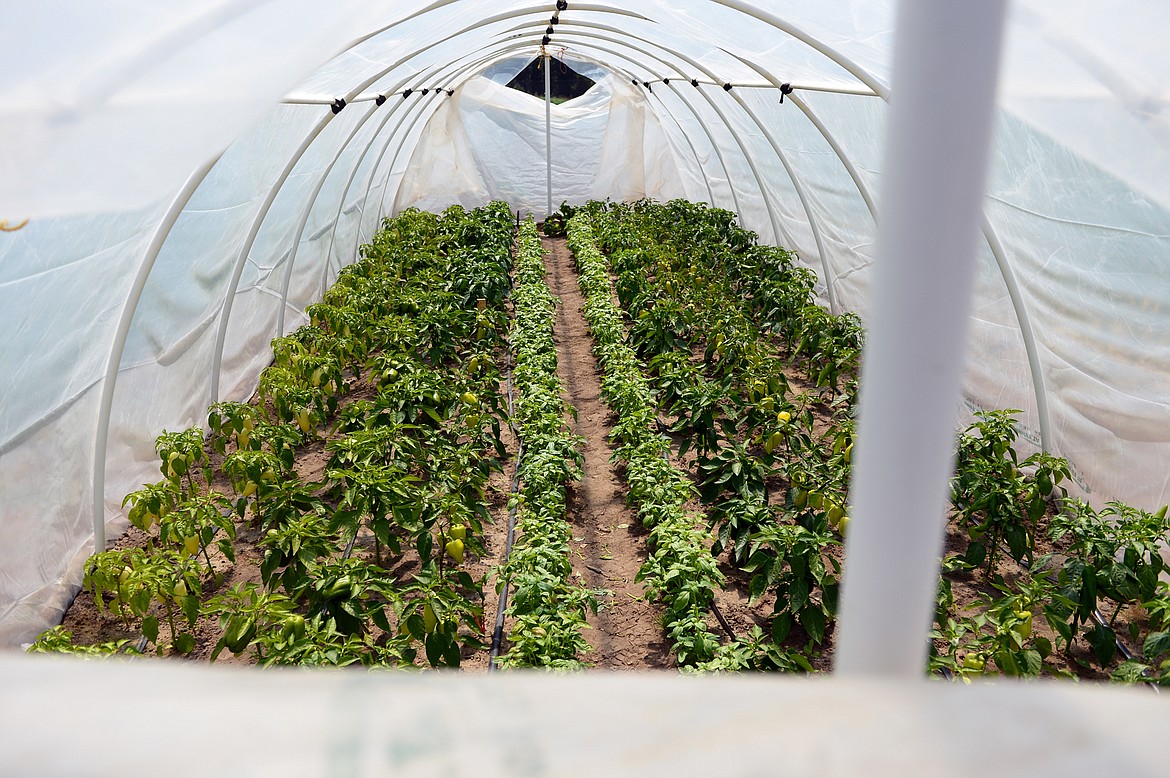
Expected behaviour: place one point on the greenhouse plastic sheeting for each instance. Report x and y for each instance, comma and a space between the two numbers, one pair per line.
605, 145
108, 109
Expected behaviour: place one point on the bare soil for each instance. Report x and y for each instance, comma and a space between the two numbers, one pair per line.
609, 544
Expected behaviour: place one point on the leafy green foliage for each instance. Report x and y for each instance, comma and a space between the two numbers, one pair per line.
419, 315
547, 608
680, 571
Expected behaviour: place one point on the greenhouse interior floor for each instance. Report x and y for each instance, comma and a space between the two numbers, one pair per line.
66, 717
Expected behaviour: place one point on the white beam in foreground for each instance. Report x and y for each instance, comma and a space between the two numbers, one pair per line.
61, 718
946, 66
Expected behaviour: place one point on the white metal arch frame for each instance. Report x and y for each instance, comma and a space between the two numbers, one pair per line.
274, 190
674, 120
627, 73
842, 157
540, 11
698, 118
543, 10
249, 240
711, 139
383, 97
117, 349
798, 186
507, 51
118, 346
326, 266
1015, 294
846, 162
792, 175
527, 44
836, 56
304, 219
590, 37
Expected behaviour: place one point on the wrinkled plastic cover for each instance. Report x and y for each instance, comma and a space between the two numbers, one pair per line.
601, 143
621, 725
106, 109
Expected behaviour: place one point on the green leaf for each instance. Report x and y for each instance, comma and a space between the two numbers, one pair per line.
798, 594
1156, 644
1104, 643
812, 618
451, 653
378, 616
976, 554
150, 628
757, 587
1017, 540
190, 607
1088, 594
1062, 627
185, 643
436, 645
1131, 671
781, 626
415, 626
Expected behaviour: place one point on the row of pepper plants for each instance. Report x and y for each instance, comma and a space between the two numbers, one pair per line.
720, 322
695, 288
548, 609
417, 320
680, 570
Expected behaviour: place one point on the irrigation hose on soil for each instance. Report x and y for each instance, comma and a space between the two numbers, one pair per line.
498, 632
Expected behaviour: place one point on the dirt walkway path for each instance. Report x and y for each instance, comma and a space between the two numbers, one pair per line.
608, 542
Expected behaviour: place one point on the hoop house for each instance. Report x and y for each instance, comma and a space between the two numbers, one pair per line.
179, 181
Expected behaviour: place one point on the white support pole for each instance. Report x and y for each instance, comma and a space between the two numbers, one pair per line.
414, 114
229, 297
304, 220
805, 203
694, 153
772, 217
548, 127
1015, 293
1031, 349
118, 347
382, 153
946, 67
846, 162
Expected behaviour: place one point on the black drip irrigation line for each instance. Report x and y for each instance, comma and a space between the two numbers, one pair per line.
723, 622
349, 548
498, 631
502, 605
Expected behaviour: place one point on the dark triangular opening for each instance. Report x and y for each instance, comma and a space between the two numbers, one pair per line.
566, 83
